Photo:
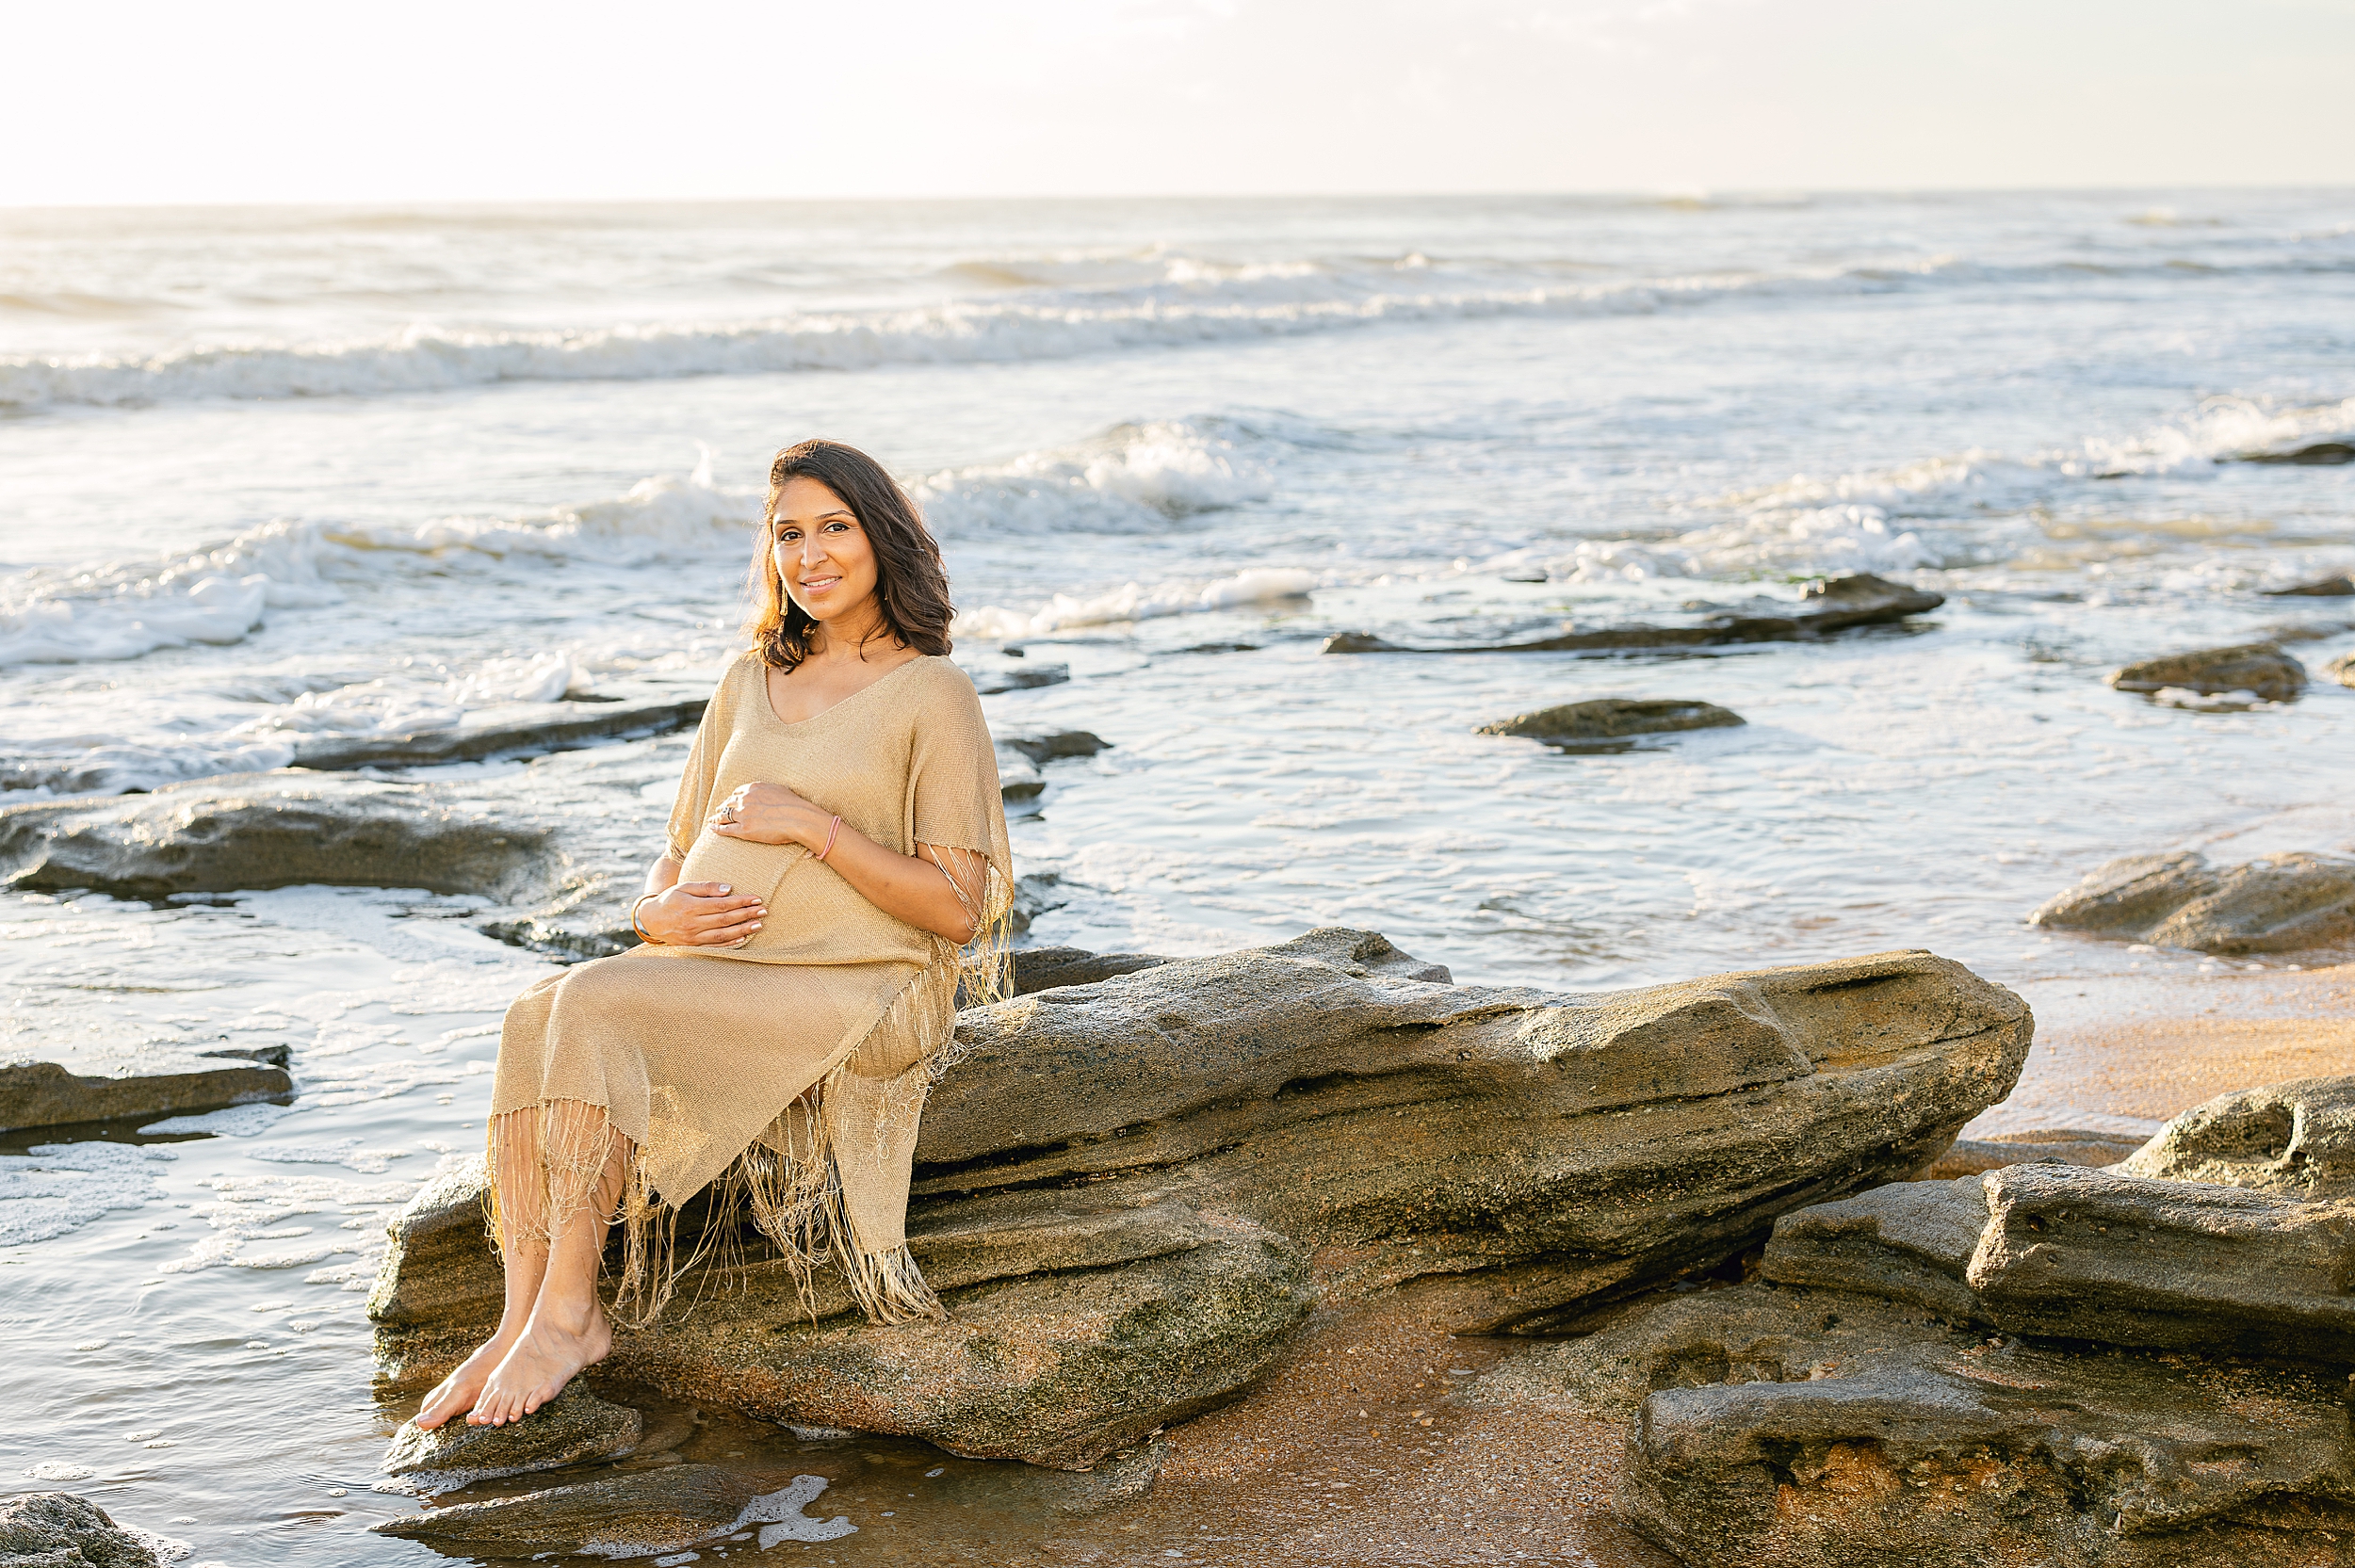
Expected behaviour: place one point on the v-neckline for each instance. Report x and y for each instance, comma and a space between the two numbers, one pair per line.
768, 702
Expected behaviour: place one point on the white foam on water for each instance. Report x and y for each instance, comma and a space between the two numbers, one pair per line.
347, 1153
58, 1470
780, 1518
1138, 602
236, 1121
58, 1187
222, 594
1131, 479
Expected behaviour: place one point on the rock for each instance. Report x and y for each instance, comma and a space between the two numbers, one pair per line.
1021, 678
573, 1427
2260, 668
2342, 670
2320, 454
2130, 1260
2296, 1138
633, 1514
2287, 903
1128, 1192
1971, 1155
1812, 1428
1018, 778
44, 1094
1950, 1455
556, 847
2339, 586
2066, 1251
1607, 719
551, 727
1830, 607
57, 1529
1044, 968
270, 1056
1909, 1242
258, 830
1053, 745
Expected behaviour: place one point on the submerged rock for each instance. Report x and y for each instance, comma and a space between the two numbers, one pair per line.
1020, 677
1830, 607
2317, 454
2296, 1138
2286, 903
632, 1514
1054, 745
562, 726
44, 1094
573, 1427
2259, 668
1130, 1192
1607, 719
57, 1529
2339, 586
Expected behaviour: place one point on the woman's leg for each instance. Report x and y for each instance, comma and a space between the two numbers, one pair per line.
565, 1329
520, 1182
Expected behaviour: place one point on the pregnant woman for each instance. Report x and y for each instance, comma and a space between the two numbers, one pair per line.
837, 861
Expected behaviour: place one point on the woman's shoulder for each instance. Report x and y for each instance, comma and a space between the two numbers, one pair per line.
935, 678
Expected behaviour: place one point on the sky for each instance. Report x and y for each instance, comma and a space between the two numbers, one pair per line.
487, 100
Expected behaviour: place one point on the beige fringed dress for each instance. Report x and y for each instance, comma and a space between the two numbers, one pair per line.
791, 1068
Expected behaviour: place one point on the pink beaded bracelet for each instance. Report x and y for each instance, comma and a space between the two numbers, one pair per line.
831, 831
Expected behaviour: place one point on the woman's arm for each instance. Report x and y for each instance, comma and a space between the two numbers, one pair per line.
696, 915
938, 889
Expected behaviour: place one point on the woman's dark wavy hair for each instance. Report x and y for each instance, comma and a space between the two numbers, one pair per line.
911, 584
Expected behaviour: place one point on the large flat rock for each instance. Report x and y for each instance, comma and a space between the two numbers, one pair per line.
1130, 1192
58, 1529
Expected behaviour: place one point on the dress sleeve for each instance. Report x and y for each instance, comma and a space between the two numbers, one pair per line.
953, 783
703, 766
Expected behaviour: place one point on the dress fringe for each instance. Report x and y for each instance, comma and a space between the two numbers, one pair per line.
788, 1180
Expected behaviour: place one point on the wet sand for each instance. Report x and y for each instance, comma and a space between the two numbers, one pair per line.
2123, 1053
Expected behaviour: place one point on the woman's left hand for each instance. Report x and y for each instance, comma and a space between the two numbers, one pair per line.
771, 814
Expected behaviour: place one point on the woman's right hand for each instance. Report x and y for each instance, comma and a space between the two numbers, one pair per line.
700, 915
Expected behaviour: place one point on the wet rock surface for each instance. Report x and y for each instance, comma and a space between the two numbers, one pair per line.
45, 1094
1130, 1192
2342, 670
1606, 721
57, 1529
571, 1429
1828, 608
628, 1514
2285, 903
2260, 668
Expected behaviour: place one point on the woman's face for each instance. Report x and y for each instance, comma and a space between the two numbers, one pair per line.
824, 556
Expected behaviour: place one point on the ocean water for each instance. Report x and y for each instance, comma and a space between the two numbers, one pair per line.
272, 475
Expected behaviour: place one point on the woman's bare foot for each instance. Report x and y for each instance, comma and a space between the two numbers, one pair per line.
538, 1367
458, 1393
